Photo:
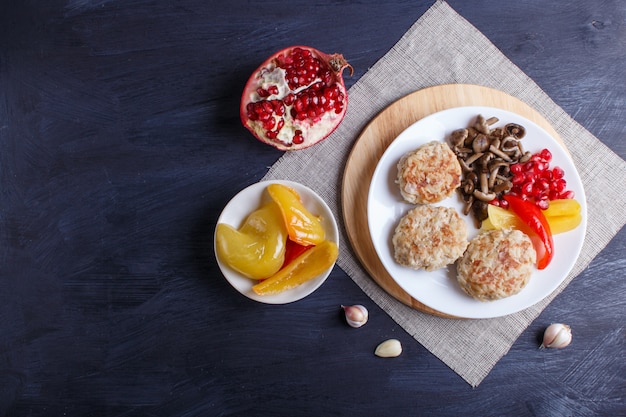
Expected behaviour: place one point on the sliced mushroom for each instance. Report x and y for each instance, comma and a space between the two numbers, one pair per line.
502, 186
509, 144
525, 157
481, 143
499, 153
457, 138
515, 130
480, 211
493, 172
481, 124
486, 197
492, 120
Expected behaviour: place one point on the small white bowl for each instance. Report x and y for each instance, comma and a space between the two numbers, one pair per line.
250, 199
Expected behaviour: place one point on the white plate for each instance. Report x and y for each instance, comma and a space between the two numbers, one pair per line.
250, 199
439, 289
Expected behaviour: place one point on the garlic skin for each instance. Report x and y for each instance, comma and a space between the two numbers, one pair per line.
556, 336
389, 349
356, 315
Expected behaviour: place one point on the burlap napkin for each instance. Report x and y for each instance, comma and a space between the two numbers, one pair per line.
443, 48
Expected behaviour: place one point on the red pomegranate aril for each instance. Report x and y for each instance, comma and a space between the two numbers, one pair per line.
516, 168
559, 185
264, 116
518, 178
539, 194
289, 99
527, 188
269, 124
542, 184
279, 108
539, 167
542, 204
558, 173
567, 195
546, 155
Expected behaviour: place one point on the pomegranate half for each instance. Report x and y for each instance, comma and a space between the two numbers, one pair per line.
296, 98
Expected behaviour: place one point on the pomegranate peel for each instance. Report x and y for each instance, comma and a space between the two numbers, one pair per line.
296, 98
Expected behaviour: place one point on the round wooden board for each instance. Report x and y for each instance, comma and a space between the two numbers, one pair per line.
375, 139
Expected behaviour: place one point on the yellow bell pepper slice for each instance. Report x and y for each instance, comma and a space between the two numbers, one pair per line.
303, 227
563, 207
305, 267
257, 249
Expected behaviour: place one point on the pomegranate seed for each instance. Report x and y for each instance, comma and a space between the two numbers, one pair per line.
298, 139
568, 195
504, 204
559, 185
298, 105
553, 195
527, 188
542, 184
546, 155
518, 178
269, 123
289, 99
279, 108
558, 173
272, 89
539, 194
262, 92
539, 167
272, 134
516, 168
542, 204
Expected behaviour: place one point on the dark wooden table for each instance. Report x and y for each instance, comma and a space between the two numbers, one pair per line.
120, 143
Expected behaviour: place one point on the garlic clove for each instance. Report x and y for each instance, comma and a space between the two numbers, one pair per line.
356, 315
389, 349
556, 336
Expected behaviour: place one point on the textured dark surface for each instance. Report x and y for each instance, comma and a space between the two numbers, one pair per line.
120, 143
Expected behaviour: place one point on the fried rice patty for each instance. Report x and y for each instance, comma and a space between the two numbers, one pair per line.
496, 264
428, 174
429, 237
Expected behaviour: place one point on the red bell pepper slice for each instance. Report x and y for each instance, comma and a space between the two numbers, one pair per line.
293, 250
532, 215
